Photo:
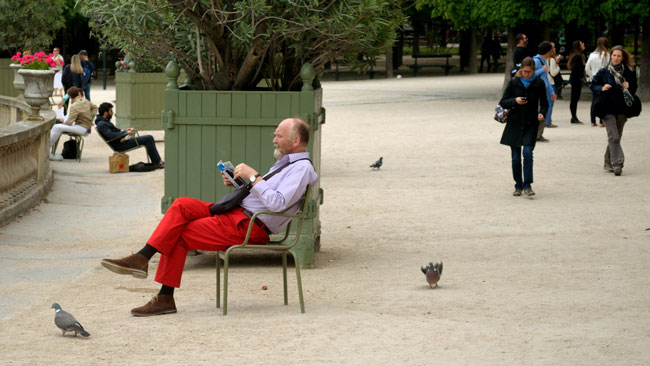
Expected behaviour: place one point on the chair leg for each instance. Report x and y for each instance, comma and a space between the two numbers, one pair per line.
218, 281
225, 284
297, 263
80, 148
284, 276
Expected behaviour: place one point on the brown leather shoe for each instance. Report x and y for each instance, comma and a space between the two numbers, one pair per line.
158, 305
136, 265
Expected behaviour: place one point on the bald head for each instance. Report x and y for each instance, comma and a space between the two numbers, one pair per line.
291, 136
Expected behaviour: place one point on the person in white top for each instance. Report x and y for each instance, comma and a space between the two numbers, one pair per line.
597, 60
58, 86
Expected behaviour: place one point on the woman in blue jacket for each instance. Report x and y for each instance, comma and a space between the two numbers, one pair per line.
617, 84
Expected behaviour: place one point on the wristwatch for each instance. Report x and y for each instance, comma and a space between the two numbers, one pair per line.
254, 178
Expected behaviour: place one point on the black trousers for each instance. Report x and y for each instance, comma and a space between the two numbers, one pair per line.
147, 141
576, 89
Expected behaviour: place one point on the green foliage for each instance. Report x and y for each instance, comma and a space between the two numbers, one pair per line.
29, 24
237, 43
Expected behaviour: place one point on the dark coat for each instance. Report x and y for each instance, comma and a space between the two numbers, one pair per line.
615, 102
521, 128
109, 131
577, 69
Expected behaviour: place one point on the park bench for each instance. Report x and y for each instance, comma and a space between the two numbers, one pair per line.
446, 66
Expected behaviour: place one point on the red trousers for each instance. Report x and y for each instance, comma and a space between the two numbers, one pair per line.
188, 225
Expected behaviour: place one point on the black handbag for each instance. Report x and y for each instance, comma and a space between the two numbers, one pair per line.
600, 104
234, 198
635, 109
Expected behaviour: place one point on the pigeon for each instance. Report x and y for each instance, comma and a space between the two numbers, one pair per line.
433, 273
66, 322
377, 164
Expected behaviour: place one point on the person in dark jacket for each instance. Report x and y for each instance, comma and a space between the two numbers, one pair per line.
122, 140
520, 51
525, 97
617, 84
576, 64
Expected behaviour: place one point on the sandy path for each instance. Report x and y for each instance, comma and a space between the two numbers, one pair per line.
560, 279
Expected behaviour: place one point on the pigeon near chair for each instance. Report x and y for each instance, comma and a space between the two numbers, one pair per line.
284, 245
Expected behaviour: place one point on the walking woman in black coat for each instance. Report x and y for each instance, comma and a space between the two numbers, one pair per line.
576, 64
525, 96
615, 85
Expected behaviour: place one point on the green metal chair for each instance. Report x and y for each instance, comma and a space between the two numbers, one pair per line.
73, 136
137, 146
274, 245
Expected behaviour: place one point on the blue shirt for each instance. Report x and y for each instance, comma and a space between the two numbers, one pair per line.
543, 74
283, 192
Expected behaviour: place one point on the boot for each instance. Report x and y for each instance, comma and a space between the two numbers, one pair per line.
158, 305
136, 265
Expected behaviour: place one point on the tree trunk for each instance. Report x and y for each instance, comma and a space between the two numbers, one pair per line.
464, 49
389, 62
546, 32
472, 66
510, 63
644, 78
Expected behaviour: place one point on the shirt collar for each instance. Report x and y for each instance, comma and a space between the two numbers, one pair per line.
292, 157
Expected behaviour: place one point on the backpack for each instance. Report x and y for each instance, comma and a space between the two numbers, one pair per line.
66, 78
69, 149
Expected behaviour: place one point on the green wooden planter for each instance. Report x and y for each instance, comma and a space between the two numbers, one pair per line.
7, 79
203, 127
139, 98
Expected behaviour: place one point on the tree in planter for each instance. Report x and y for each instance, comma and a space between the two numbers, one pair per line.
233, 45
29, 24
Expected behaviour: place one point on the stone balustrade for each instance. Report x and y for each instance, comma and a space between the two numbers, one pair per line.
25, 172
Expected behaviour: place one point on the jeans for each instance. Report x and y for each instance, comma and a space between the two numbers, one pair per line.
87, 91
550, 111
528, 166
147, 141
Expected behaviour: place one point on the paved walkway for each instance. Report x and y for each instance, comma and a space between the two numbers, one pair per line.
561, 278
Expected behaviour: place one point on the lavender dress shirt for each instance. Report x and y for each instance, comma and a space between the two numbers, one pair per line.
283, 192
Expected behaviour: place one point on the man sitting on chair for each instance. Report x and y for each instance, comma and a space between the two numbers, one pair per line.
122, 140
79, 121
189, 225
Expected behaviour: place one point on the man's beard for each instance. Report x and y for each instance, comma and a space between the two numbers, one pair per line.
277, 154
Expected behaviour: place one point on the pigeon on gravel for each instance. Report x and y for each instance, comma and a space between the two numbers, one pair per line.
377, 164
433, 273
66, 322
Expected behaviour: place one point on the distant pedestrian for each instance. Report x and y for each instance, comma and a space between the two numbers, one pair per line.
89, 70
495, 52
597, 60
486, 50
545, 50
521, 51
577, 66
58, 86
526, 98
618, 84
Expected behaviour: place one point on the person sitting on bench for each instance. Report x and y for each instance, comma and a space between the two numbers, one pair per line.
122, 140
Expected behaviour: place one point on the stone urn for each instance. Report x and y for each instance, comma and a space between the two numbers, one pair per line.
39, 85
19, 82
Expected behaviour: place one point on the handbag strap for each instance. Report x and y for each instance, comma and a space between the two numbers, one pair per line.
268, 176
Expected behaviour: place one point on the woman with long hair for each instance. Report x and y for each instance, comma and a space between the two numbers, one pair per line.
525, 97
576, 64
596, 61
617, 85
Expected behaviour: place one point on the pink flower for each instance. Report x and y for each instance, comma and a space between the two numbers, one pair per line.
40, 54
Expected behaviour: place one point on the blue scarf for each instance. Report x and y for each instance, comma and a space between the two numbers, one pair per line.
527, 82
